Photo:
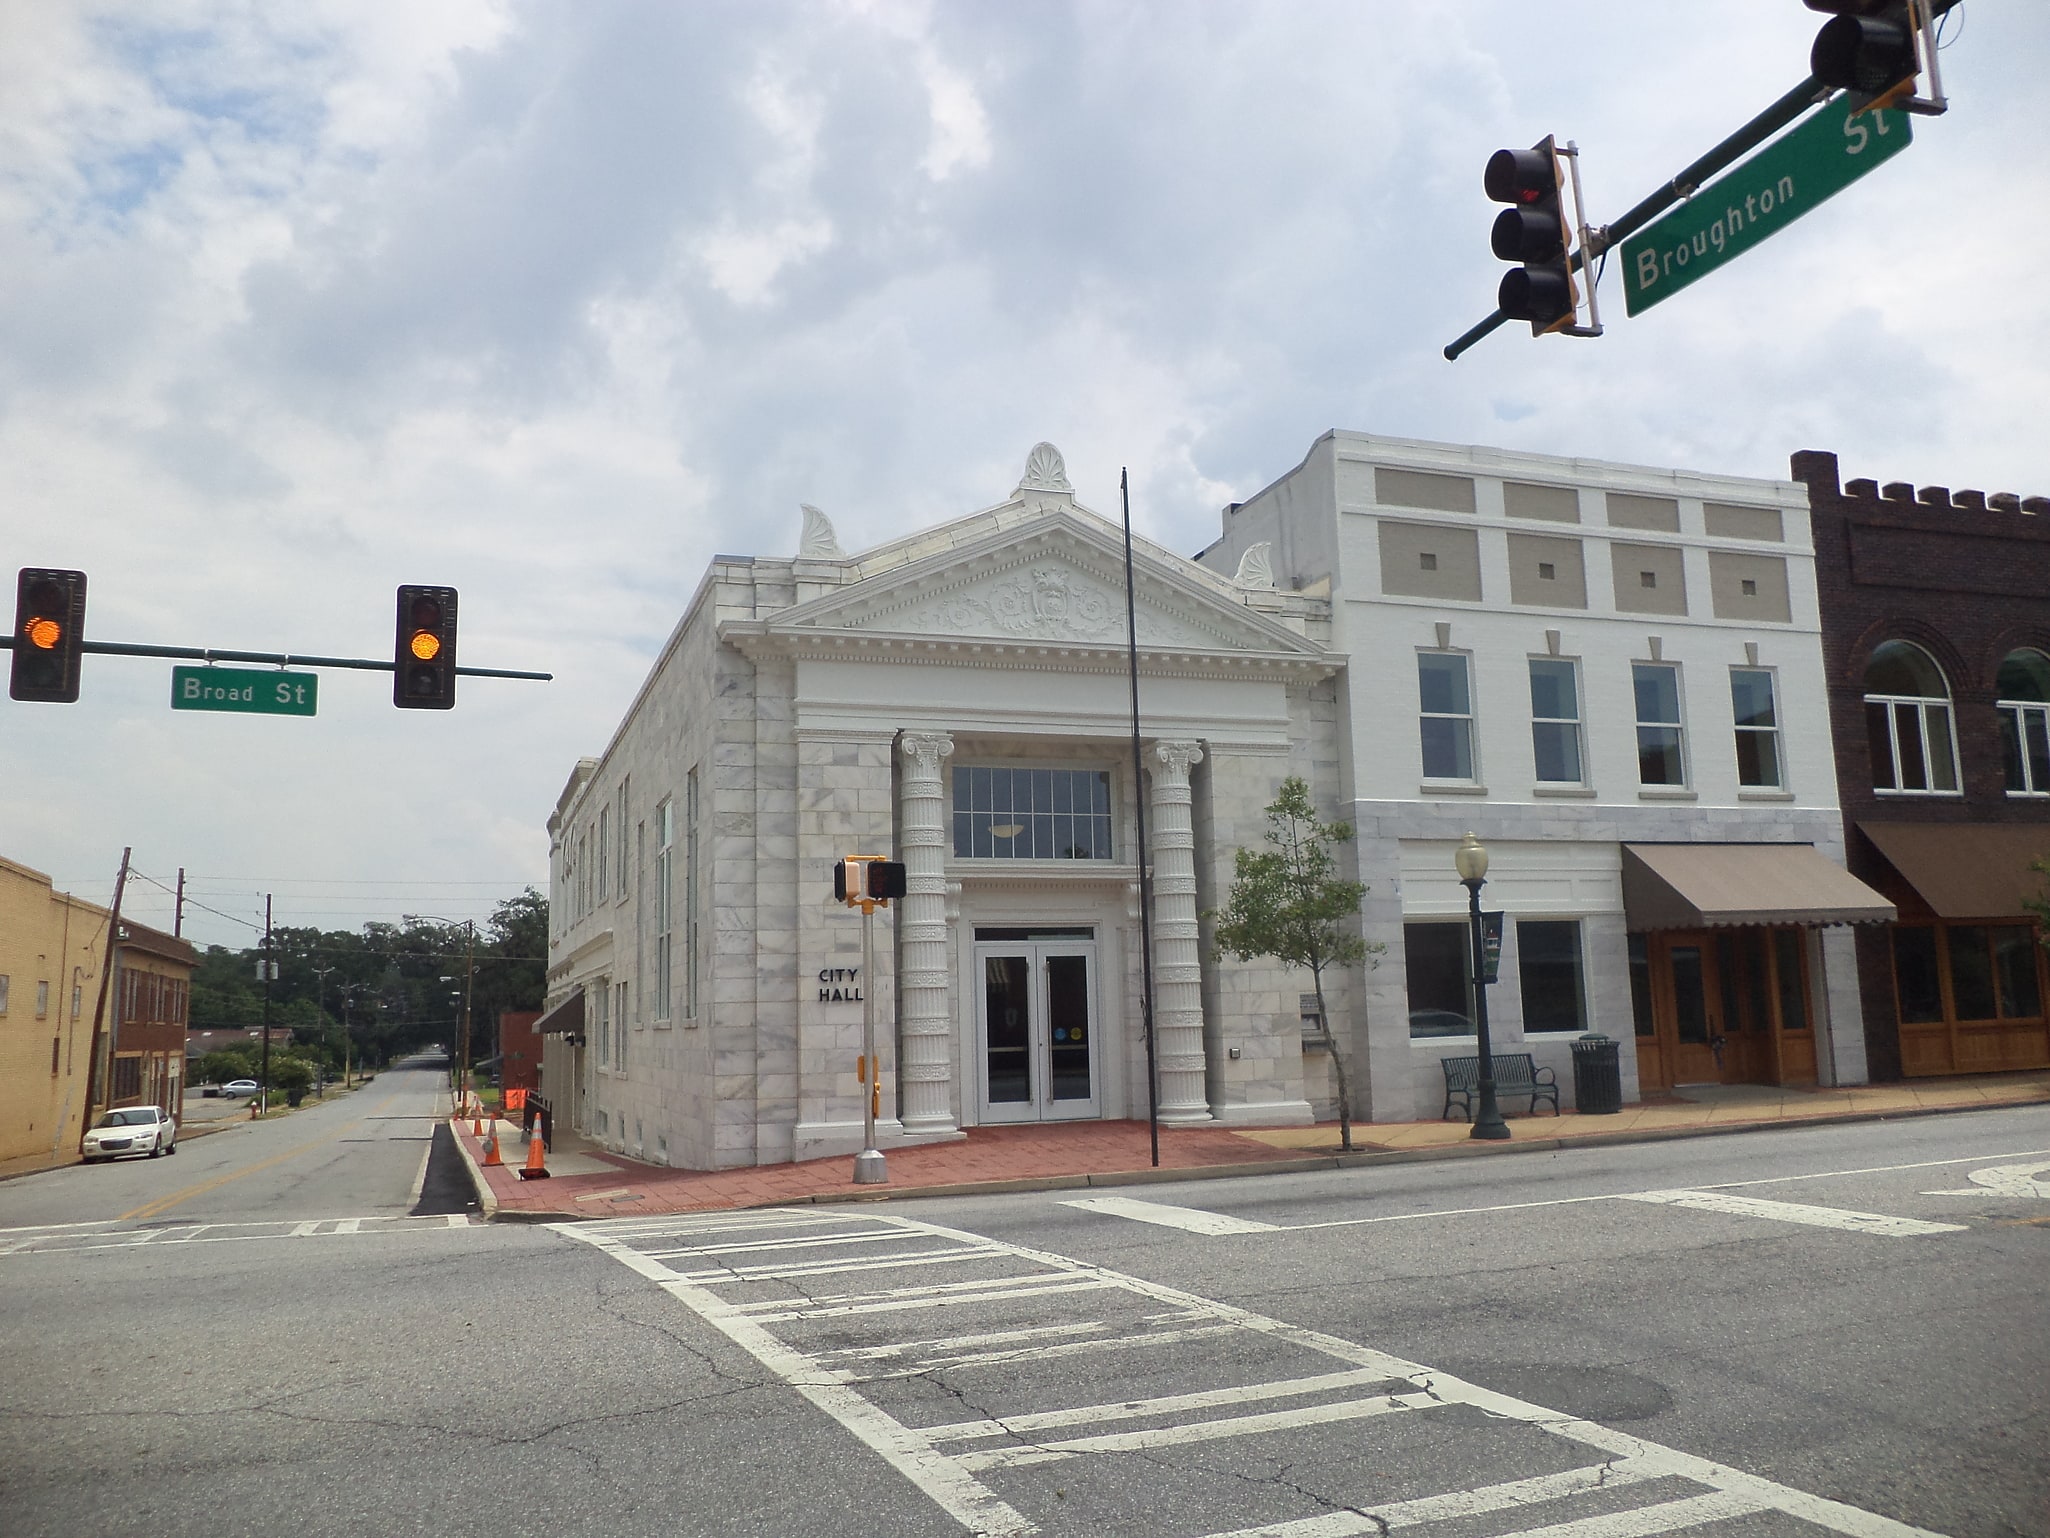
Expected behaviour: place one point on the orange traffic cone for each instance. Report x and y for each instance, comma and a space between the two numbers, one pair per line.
477, 1127
535, 1169
491, 1147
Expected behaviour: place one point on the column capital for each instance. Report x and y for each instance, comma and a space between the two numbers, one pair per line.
1177, 759
924, 750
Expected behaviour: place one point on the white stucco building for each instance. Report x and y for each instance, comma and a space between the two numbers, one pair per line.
1611, 674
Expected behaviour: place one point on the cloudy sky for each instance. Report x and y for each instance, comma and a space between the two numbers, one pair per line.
552, 302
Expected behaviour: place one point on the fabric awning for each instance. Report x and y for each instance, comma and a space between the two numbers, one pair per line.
566, 1019
1967, 870
1692, 886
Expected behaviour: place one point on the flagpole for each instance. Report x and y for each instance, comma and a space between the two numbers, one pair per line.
1139, 805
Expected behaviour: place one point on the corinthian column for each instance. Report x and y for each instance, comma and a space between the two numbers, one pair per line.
1177, 960
925, 1075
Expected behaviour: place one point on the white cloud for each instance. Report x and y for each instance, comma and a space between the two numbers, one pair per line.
555, 302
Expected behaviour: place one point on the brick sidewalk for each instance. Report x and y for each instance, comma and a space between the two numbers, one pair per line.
1051, 1156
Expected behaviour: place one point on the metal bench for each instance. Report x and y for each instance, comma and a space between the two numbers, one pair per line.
1516, 1073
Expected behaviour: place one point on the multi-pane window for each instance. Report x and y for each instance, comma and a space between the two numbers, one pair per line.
620, 1015
1908, 722
2023, 686
620, 820
1031, 814
600, 998
1548, 965
1660, 760
1757, 726
1445, 715
665, 858
1437, 964
1990, 969
1555, 720
690, 896
604, 852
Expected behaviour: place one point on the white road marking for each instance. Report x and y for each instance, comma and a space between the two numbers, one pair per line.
1199, 1431
62, 1242
896, 1262
1136, 1409
2016, 1180
1877, 1223
420, 1175
1375, 1520
1171, 1217
952, 1482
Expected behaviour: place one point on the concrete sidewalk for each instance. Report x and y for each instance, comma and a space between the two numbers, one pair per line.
589, 1182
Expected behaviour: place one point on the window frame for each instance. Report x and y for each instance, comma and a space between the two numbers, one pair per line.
1771, 733
1575, 723
1677, 726
690, 896
1468, 720
1922, 707
2015, 715
1410, 1009
665, 853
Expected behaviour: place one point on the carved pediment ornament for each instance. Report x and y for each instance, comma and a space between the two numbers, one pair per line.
1045, 470
819, 541
1256, 566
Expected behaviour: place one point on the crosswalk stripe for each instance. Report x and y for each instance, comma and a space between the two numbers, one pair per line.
1167, 1404
1376, 1520
1877, 1223
1667, 1517
1189, 1218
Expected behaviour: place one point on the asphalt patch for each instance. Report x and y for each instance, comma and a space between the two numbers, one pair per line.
447, 1187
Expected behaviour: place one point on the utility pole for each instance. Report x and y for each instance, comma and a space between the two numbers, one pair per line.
270, 968
99, 1076
469, 975
178, 908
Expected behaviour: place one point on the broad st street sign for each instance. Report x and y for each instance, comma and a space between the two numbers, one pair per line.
247, 691
1759, 198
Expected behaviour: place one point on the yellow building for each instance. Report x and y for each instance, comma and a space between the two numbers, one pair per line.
51, 948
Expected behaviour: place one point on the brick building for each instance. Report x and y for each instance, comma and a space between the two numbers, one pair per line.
1936, 639
151, 1005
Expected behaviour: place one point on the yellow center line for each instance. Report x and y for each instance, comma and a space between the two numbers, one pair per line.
163, 1204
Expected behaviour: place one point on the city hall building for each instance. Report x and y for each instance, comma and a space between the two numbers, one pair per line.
1612, 674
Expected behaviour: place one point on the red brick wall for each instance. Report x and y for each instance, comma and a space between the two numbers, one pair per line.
1966, 581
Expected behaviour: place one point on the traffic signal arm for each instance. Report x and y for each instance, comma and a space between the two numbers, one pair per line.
1741, 143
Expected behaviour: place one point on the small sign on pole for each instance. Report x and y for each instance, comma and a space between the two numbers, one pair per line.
1491, 947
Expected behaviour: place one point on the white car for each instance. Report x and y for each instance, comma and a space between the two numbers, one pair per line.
133, 1129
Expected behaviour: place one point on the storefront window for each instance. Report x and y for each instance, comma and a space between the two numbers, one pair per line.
1640, 985
1548, 965
1971, 972
1436, 962
1914, 974
2014, 964
1793, 998
1031, 814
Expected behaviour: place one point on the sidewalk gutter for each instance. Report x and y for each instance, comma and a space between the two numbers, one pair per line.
1333, 1161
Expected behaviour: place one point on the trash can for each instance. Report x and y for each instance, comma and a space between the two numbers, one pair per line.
1597, 1075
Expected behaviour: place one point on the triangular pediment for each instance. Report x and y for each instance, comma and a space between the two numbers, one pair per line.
1055, 579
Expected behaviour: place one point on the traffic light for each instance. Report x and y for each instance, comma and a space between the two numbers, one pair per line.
1868, 46
49, 635
865, 878
424, 655
1532, 232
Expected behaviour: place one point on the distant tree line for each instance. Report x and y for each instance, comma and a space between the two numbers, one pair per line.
386, 990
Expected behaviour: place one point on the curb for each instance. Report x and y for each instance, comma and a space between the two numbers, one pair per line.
484, 1197
1359, 1158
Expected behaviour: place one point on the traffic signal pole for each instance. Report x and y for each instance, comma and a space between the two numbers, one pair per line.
1754, 133
280, 659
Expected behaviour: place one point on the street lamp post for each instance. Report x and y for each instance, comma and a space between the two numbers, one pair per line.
1470, 859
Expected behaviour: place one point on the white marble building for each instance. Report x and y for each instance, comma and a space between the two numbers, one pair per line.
1613, 675
959, 700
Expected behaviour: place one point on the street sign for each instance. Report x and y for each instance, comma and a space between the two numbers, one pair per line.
246, 691
1758, 199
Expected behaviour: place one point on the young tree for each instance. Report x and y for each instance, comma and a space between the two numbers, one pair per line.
1287, 903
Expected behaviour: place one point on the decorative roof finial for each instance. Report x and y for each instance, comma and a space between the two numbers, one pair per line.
818, 542
1045, 470
1256, 566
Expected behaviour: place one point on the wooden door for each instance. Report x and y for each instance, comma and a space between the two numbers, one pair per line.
1688, 987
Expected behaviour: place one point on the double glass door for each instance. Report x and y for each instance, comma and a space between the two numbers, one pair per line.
1036, 1024
1729, 1006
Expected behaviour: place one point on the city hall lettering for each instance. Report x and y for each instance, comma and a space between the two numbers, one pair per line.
838, 985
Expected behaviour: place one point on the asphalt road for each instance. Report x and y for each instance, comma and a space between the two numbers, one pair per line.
1774, 1333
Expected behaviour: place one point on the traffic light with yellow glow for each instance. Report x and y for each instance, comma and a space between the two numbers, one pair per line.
49, 635
424, 654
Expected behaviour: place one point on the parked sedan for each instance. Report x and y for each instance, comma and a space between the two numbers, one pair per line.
134, 1129
240, 1087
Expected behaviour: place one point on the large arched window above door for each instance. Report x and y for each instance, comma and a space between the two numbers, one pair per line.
1908, 722
2023, 690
